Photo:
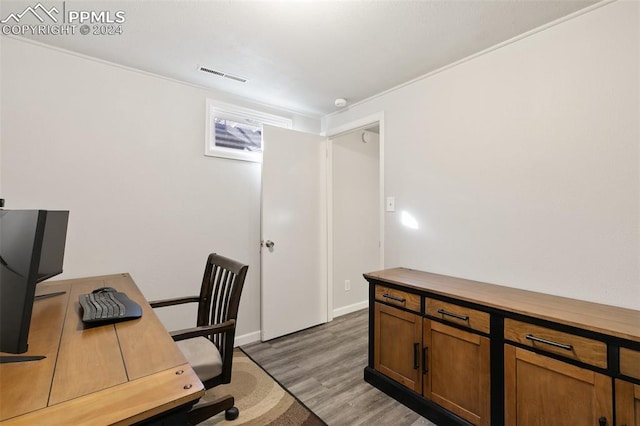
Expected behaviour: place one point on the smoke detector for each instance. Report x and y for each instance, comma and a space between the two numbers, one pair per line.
340, 102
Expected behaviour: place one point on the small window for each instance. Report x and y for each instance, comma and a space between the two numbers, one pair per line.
235, 132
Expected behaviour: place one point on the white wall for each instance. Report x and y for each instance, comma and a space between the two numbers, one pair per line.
521, 165
123, 151
355, 220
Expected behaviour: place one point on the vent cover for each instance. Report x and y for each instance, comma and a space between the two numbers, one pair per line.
222, 74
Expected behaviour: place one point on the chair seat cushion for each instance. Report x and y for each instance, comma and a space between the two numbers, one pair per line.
203, 356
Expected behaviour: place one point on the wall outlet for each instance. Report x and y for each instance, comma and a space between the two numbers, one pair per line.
391, 204
347, 285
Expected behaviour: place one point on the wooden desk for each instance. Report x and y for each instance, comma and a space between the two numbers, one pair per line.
119, 373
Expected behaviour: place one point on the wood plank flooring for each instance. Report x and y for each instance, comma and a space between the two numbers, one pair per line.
323, 367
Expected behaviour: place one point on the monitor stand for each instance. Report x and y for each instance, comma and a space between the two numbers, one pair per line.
44, 296
5, 359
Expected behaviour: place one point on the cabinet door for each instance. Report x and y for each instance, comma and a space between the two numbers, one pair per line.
627, 403
542, 391
458, 373
398, 338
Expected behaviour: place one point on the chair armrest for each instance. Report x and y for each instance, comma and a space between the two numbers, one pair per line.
205, 330
174, 301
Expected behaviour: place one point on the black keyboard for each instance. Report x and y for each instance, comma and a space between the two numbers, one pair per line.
108, 306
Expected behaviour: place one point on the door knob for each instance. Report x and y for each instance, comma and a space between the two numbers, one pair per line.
269, 244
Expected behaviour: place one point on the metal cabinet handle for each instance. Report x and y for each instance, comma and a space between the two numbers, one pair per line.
416, 347
269, 244
425, 367
602, 421
451, 314
396, 298
550, 343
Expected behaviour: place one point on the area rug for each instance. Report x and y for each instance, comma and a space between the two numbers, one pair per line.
260, 399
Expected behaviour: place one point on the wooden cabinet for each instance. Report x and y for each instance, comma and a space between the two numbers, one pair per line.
567, 345
457, 373
627, 403
400, 298
397, 345
540, 390
456, 314
447, 365
462, 352
630, 363
628, 393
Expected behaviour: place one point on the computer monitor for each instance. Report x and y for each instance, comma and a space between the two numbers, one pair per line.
32, 246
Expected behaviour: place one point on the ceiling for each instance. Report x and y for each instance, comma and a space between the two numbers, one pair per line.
302, 55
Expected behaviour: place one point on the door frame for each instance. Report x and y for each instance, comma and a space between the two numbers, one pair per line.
332, 133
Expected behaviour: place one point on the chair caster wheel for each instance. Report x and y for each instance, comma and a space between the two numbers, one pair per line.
231, 414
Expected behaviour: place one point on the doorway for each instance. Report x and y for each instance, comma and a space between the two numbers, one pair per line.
355, 217
344, 239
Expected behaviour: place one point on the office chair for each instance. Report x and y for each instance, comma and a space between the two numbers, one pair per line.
209, 346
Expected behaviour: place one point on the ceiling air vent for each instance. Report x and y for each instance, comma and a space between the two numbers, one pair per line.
223, 74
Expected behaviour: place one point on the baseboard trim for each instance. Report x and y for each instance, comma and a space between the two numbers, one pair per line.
254, 336
351, 308
245, 339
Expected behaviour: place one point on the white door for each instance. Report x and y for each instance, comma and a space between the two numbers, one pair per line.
294, 279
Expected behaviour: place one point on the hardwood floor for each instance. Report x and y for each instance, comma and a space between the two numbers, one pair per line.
323, 367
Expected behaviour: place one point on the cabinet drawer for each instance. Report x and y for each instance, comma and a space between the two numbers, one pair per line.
567, 345
630, 363
457, 314
401, 298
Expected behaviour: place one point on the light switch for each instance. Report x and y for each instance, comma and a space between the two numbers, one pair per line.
391, 204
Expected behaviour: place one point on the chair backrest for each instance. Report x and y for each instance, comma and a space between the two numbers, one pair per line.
219, 300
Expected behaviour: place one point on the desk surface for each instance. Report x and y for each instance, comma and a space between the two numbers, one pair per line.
120, 373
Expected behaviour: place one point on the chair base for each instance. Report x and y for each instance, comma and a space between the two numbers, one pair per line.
204, 411
232, 413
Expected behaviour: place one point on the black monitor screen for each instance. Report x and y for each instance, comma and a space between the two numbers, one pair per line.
31, 250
